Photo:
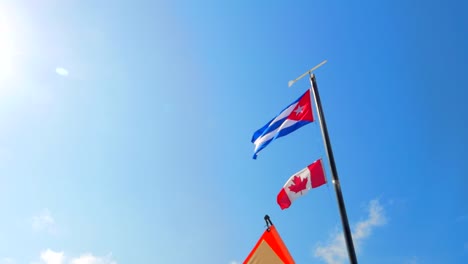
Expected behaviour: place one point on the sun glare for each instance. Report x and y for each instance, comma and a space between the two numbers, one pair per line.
7, 49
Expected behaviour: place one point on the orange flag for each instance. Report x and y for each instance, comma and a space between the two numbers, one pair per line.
270, 249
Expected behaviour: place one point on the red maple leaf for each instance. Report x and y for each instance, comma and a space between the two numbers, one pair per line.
298, 185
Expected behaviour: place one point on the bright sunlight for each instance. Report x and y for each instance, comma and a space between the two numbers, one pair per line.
7, 48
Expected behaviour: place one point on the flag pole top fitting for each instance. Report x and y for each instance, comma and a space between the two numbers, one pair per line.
290, 83
268, 222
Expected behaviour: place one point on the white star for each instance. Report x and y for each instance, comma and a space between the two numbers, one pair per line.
298, 110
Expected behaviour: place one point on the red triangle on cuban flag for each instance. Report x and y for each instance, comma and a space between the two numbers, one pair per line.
303, 109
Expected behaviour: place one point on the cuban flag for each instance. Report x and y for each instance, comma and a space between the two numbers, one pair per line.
294, 116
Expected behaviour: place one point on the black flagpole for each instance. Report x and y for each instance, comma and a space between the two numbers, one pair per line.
334, 173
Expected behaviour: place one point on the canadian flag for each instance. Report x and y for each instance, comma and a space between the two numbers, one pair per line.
300, 183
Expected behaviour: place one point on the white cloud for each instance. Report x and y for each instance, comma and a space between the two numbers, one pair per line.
376, 218
334, 251
61, 71
54, 257
44, 222
234, 262
412, 260
90, 259
462, 218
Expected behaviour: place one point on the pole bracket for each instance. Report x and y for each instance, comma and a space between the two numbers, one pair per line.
268, 222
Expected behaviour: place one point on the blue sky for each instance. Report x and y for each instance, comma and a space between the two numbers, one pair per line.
125, 129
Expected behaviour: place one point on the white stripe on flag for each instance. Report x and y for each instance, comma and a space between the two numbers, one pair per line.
287, 123
284, 114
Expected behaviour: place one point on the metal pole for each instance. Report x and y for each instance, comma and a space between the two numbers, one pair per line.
290, 83
334, 173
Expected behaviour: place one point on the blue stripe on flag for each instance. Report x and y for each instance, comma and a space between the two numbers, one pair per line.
262, 131
267, 128
281, 133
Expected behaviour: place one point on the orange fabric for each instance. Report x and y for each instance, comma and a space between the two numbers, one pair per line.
260, 254
264, 254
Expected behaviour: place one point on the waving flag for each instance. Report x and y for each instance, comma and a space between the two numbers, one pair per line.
300, 183
294, 116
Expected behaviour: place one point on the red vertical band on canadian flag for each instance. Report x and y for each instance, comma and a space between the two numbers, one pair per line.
283, 199
317, 174
300, 183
